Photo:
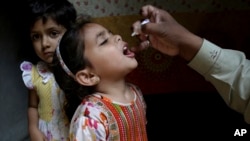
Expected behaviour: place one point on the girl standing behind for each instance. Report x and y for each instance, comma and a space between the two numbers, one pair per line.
49, 19
91, 65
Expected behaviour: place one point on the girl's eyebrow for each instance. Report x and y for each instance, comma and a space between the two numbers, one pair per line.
48, 29
101, 34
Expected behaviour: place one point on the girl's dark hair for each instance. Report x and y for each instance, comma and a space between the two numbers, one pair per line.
72, 52
61, 11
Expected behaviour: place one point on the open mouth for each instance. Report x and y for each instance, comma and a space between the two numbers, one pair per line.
127, 52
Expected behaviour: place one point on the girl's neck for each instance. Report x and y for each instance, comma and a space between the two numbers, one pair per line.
119, 91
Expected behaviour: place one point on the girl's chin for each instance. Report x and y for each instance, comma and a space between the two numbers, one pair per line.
48, 60
134, 66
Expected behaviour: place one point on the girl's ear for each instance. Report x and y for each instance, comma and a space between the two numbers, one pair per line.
87, 78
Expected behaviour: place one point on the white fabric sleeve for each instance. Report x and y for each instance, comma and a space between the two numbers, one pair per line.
229, 72
26, 67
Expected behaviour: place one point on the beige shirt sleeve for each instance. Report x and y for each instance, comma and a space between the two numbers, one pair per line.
229, 72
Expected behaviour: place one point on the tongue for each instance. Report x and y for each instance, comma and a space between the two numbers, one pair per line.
129, 53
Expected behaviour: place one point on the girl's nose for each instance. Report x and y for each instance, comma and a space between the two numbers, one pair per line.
45, 42
118, 38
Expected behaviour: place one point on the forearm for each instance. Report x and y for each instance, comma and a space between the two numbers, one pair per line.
33, 119
34, 131
229, 72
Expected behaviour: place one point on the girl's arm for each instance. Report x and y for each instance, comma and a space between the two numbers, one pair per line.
33, 118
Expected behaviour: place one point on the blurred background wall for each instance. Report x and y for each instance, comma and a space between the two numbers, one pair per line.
100, 8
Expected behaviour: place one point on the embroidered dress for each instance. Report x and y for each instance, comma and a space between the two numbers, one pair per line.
52, 119
101, 119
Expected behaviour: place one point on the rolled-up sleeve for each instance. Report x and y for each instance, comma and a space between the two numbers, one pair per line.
229, 71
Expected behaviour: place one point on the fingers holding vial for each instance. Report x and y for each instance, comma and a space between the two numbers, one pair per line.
137, 27
145, 42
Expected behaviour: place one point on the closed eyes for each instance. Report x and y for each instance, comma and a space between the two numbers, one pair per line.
104, 42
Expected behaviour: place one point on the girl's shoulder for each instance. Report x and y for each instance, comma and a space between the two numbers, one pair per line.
40, 67
91, 107
32, 72
138, 92
26, 66
135, 88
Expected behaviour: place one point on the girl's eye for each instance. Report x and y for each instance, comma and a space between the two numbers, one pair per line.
106, 37
35, 37
54, 34
104, 42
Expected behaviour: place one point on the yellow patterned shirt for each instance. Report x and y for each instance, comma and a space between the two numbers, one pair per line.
52, 119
